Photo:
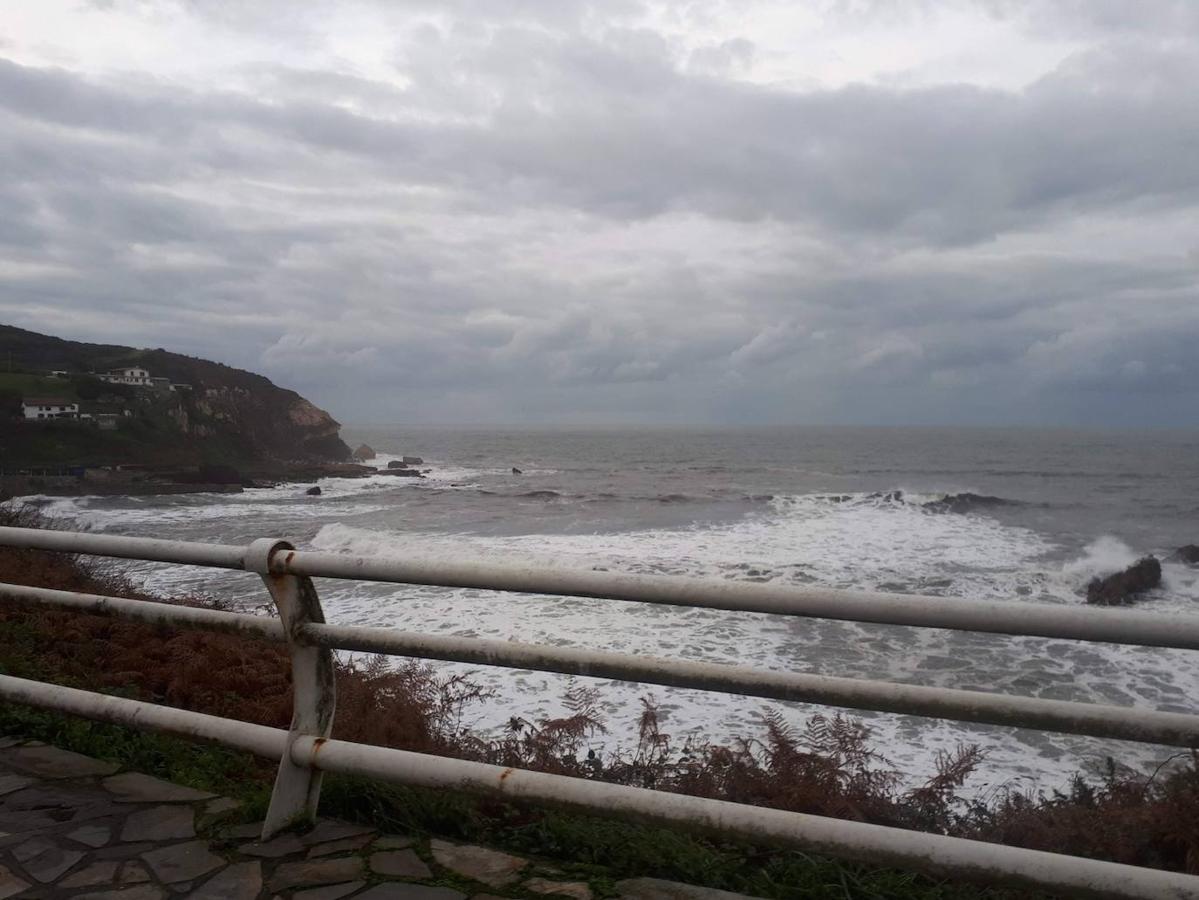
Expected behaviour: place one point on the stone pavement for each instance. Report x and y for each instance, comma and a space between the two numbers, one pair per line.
74, 826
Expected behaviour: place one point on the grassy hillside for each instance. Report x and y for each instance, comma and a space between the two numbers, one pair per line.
22, 384
226, 415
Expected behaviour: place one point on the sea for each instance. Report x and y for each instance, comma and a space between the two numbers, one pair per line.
839, 507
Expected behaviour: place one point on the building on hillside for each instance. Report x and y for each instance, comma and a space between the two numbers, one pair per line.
49, 408
107, 421
132, 375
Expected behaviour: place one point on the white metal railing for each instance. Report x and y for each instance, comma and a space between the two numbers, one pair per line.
305, 751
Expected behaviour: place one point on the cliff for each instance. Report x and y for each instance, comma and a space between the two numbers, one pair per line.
215, 412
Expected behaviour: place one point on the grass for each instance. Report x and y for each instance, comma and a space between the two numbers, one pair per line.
26, 384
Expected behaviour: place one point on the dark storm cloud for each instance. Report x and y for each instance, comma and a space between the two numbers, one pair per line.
546, 221
946, 165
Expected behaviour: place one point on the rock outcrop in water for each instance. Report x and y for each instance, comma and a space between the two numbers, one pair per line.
1125, 587
964, 503
1189, 554
364, 453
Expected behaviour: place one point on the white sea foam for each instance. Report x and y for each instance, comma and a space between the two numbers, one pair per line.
1101, 557
864, 541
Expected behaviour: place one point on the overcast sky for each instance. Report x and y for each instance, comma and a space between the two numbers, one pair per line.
561, 211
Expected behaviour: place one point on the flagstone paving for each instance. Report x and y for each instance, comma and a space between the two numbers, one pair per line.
74, 826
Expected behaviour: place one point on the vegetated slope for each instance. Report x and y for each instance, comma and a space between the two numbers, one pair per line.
226, 414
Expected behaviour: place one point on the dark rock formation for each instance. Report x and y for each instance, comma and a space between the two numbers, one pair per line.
401, 473
396, 464
1188, 554
516, 471
313, 491
413, 461
964, 503
313, 471
216, 474
364, 453
1124, 587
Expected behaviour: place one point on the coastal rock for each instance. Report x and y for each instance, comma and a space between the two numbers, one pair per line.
413, 461
516, 471
313, 491
1188, 554
1123, 587
396, 464
363, 453
218, 474
964, 503
311, 472
401, 473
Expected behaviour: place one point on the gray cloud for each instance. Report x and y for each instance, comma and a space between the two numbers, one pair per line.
562, 212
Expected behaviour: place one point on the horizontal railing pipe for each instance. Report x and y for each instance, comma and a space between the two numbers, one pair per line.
1067, 622
260, 740
875, 845
147, 611
1063, 716
1083, 623
192, 553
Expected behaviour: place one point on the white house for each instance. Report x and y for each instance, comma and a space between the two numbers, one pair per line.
50, 408
133, 375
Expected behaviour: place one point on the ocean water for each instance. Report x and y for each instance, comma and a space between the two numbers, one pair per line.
842, 507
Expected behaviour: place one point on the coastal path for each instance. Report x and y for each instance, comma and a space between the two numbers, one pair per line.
78, 827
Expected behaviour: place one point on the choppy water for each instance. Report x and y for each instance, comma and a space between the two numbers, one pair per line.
796, 505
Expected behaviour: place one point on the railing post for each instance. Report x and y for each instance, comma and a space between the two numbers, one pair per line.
314, 694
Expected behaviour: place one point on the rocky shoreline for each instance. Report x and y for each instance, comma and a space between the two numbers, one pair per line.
144, 481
